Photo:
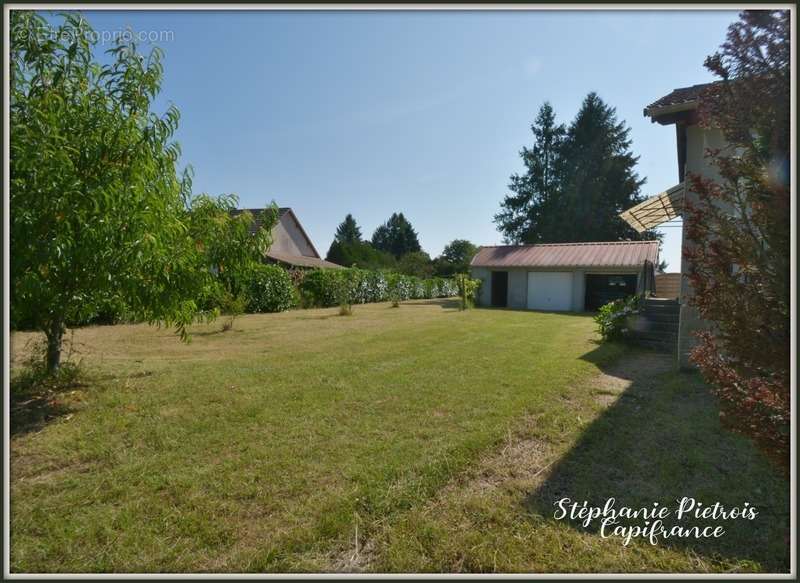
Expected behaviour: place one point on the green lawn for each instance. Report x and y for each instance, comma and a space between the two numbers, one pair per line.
412, 439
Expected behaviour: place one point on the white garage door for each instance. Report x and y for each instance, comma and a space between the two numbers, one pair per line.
550, 290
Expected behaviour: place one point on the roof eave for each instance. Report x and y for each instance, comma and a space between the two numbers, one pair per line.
667, 114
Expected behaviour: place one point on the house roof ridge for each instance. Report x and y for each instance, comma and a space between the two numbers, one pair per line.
281, 209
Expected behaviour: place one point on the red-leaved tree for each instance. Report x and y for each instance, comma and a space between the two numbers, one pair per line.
740, 269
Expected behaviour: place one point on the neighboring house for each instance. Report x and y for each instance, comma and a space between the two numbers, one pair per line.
291, 245
563, 276
679, 108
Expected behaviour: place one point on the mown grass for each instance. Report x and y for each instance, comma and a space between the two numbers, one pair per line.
267, 447
656, 437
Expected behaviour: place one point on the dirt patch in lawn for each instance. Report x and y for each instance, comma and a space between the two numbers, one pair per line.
610, 384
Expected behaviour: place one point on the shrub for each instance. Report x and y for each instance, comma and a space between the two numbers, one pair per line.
318, 288
467, 289
269, 289
348, 285
401, 287
232, 306
297, 274
448, 288
611, 317
377, 287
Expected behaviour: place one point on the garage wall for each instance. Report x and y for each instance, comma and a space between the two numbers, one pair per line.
485, 293
578, 290
517, 289
518, 285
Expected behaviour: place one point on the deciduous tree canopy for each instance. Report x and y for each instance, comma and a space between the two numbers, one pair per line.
740, 270
100, 213
455, 258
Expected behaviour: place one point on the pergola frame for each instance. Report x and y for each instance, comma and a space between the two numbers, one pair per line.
656, 210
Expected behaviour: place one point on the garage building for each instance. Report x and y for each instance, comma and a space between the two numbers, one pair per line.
573, 277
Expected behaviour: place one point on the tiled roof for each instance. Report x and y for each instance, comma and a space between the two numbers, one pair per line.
679, 96
302, 260
572, 255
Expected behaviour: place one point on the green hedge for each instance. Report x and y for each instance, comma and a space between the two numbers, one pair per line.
269, 289
322, 287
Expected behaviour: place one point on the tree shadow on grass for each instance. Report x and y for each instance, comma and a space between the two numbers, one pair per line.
319, 317
35, 404
215, 332
528, 311
444, 303
661, 440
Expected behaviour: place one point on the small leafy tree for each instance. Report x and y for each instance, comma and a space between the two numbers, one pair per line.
231, 245
228, 242
455, 258
345, 292
468, 289
740, 274
97, 205
232, 306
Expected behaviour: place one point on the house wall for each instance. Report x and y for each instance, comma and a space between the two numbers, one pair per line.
698, 140
518, 284
288, 238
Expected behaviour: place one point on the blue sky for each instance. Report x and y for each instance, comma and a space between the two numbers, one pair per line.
421, 112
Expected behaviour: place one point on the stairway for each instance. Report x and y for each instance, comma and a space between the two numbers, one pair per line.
656, 325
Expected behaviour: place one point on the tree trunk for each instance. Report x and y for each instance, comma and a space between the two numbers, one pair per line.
54, 334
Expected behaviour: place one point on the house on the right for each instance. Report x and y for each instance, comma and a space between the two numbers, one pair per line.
680, 109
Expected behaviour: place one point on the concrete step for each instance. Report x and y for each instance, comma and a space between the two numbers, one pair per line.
656, 325
661, 309
661, 302
658, 346
659, 317
663, 338
655, 334
670, 306
643, 324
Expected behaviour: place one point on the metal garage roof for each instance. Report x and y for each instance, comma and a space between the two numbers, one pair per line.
573, 255
656, 210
